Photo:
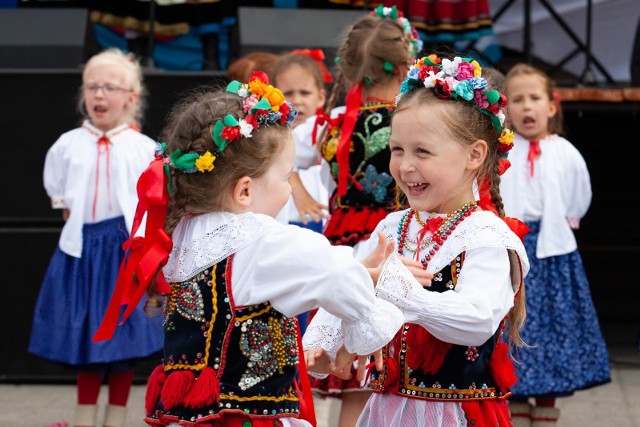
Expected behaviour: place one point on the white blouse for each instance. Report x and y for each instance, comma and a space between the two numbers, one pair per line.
558, 194
70, 177
293, 268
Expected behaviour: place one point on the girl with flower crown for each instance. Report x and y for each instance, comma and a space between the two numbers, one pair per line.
448, 365
549, 187
234, 277
90, 174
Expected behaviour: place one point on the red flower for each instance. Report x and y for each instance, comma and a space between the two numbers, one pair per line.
230, 133
441, 90
285, 110
260, 75
423, 73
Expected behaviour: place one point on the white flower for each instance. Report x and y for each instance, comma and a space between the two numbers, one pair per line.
245, 128
451, 67
430, 80
501, 117
386, 11
244, 91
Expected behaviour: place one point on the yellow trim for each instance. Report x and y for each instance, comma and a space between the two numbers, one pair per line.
291, 397
252, 315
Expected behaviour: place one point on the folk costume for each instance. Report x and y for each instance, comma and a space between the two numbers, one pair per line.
93, 174
448, 364
548, 186
230, 328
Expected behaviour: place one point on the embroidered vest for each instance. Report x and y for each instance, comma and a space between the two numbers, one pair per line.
461, 373
252, 350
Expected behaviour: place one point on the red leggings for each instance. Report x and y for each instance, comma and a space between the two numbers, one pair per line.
89, 384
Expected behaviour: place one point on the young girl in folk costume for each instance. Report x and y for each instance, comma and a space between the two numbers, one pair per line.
372, 61
548, 186
237, 277
302, 75
90, 173
447, 366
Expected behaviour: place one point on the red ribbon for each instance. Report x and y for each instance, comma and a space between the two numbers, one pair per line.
354, 97
144, 256
321, 119
319, 56
534, 153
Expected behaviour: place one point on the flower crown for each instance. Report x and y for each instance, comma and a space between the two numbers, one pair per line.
263, 105
415, 43
460, 78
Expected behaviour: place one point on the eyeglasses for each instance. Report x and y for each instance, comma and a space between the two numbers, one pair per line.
107, 89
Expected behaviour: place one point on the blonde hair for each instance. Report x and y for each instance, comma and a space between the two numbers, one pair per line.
132, 72
556, 123
468, 124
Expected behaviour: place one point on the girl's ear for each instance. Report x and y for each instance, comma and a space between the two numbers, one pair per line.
477, 154
242, 194
553, 108
134, 97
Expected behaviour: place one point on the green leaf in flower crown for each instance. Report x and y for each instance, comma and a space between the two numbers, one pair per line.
220, 142
263, 104
234, 86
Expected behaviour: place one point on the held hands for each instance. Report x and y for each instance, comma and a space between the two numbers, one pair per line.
375, 259
319, 361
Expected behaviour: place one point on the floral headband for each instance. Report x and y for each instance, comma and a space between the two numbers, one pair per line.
415, 43
460, 78
263, 104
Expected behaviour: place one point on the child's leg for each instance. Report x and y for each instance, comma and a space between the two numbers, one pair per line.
544, 414
520, 412
89, 384
352, 405
119, 388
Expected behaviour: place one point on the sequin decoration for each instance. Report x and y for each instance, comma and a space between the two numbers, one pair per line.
189, 302
269, 346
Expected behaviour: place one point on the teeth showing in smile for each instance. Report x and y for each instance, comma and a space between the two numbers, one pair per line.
414, 184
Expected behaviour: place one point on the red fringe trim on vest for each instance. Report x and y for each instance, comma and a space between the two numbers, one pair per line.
501, 367
352, 225
487, 413
205, 390
425, 351
154, 387
175, 388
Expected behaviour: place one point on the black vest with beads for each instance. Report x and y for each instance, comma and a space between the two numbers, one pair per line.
464, 373
253, 350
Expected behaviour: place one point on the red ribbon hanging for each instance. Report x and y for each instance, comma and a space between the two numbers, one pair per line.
354, 97
534, 153
323, 118
144, 256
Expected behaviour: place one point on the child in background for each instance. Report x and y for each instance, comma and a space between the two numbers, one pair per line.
448, 365
237, 276
372, 62
548, 187
302, 75
241, 68
90, 173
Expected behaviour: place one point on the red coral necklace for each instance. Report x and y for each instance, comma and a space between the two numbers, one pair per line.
439, 227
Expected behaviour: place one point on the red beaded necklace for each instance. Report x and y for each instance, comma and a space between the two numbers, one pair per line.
439, 227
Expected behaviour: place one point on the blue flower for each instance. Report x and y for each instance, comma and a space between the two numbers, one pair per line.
375, 184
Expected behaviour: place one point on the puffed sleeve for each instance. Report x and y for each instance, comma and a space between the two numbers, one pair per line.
298, 270
55, 173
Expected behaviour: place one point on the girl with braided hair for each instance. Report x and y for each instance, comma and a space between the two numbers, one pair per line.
449, 365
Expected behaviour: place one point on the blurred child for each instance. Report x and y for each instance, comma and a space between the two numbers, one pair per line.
548, 187
372, 62
237, 277
241, 68
448, 365
90, 173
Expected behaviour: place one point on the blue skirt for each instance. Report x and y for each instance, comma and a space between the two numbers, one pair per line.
567, 350
73, 299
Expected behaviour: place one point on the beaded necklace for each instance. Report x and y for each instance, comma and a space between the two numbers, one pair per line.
445, 227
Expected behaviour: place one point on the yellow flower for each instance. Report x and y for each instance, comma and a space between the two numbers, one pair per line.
506, 137
275, 97
330, 148
257, 88
204, 163
477, 69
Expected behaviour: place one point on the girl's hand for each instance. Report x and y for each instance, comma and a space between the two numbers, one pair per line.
374, 262
317, 360
306, 205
